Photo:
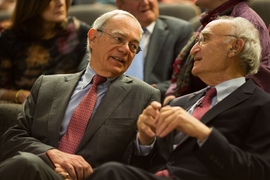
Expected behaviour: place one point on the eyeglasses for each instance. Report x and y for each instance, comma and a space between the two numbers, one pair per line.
120, 40
201, 39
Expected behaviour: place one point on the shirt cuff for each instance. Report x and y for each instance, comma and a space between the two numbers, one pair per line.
143, 150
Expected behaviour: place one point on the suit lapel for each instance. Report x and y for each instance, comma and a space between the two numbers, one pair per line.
155, 46
238, 96
188, 100
116, 93
63, 92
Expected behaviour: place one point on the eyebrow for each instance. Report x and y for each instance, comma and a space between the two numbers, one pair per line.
124, 35
205, 33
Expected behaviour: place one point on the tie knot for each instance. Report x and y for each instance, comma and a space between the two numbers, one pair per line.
97, 79
144, 30
211, 93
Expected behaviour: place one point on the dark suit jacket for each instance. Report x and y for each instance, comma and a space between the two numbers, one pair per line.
108, 133
170, 35
237, 149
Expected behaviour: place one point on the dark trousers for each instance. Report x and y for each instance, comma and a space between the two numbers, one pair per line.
118, 171
27, 166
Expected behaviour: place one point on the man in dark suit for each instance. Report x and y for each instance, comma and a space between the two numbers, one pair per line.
230, 140
31, 146
163, 40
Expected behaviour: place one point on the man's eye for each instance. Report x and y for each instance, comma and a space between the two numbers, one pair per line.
118, 39
133, 47
203, 39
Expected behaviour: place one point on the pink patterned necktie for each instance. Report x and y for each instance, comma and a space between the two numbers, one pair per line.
80, 118
205, 104
163, 173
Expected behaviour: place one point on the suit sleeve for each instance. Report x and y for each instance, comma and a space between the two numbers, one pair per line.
250, 161
18, 137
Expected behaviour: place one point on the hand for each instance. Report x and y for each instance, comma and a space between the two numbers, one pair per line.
22, 95
147, 123
154, 85
168, 98
171, 118
62, 172
76, 167
15, 96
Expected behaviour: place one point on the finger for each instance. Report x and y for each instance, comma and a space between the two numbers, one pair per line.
79, 172
146, 122
146, 130
88, 171
166, 128
149, 115
156, 105
70, 170
168, 121
82, 168
59, 170
64, 175
152, 109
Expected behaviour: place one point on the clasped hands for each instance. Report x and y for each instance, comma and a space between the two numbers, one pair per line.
69, 166
158, 121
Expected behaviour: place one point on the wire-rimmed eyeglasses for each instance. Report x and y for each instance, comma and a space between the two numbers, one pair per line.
201, 39
120, 40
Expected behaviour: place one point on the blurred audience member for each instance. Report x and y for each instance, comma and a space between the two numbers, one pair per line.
176, 1
106, 2
183, 82
4, 24
7, 5
74, 2
40, 40
163, 38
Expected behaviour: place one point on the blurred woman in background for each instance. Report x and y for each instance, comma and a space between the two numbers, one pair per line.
40, 40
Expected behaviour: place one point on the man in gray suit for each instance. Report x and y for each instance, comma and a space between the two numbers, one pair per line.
163, 40
230, 141
30, 148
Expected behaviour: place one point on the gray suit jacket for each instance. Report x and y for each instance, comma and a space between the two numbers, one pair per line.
170, 35
108, 133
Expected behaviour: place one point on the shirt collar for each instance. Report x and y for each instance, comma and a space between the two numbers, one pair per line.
88, 75
151, 27
227, 87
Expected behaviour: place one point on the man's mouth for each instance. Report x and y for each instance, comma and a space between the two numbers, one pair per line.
197, 59
118, 59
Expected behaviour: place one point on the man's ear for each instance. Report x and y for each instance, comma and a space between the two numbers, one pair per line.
236, 47
92, 35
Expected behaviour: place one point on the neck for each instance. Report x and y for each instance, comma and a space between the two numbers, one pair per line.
220, 77
49, 30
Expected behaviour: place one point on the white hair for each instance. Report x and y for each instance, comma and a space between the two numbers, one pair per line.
251, 54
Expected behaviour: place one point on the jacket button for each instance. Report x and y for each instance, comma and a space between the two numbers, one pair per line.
170, 163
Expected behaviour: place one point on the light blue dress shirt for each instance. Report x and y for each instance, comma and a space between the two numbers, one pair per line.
80, 91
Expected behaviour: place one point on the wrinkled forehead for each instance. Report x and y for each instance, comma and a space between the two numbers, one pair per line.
125, 24
218, 27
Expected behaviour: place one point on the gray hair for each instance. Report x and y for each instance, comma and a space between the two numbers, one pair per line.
251, 54
101, 22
